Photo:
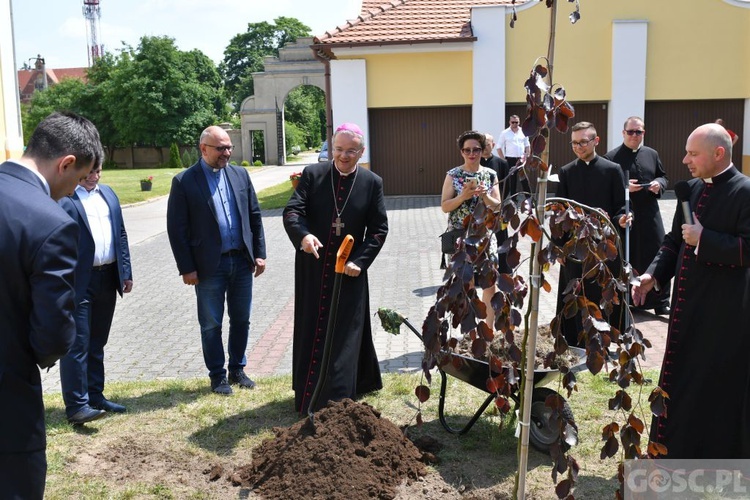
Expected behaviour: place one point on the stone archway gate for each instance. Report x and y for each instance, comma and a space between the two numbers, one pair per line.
264, 111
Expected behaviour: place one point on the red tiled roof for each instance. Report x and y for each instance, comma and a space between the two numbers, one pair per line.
408, 21
27, 79
63, 73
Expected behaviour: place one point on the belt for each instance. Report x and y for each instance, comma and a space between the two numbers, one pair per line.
103, 267
233, 252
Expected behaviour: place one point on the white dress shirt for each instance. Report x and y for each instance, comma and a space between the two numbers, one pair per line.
512, 144
100, 223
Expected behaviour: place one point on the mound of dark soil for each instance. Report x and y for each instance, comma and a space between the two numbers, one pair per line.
352, 453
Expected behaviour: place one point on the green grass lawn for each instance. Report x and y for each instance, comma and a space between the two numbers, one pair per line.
127, 185
176, 429
275, 196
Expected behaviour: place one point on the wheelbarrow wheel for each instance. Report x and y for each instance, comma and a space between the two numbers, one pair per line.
541, 434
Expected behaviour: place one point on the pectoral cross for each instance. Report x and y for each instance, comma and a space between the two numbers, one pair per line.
338, 225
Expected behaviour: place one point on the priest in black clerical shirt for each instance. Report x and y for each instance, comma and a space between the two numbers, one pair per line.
647, 181
598, 183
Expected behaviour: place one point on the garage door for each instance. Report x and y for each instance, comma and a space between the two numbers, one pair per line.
413, 148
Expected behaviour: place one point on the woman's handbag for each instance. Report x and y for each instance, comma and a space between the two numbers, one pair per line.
448, 243
448, 240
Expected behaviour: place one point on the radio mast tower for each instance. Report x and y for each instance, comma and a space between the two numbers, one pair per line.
92, 14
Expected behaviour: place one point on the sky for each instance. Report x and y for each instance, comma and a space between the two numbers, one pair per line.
56, 29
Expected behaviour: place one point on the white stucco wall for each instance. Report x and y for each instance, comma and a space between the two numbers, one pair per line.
488, 70
349, 97
11, 134
629, 49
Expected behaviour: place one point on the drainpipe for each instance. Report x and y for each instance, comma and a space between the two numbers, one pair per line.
320, 56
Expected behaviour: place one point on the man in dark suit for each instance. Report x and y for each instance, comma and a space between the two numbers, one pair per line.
216, 233
38, 242
103, 270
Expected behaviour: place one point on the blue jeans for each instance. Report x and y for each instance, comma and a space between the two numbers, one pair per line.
233, 279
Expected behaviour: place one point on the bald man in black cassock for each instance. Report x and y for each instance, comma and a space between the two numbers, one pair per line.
334, 199
705, 370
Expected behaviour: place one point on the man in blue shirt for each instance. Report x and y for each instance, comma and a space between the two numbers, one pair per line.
216, 233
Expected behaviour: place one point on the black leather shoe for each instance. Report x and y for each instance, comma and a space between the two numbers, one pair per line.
107, 405
239, 377
86, 414
221, 386
662, 311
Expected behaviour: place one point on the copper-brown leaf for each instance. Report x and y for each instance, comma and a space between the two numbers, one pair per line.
422, 392
485, 332
502, 404
562, 490
594, 362
656, 449
533, 230
658, 404
636, 422
479, 348
610, 448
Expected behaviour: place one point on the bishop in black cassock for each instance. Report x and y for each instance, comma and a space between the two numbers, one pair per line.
642, 165
329, 205
706, 370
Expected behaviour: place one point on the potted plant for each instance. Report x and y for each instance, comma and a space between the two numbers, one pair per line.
295, 177
146, 183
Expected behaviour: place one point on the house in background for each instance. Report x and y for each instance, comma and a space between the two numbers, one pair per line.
416, 73
41, 77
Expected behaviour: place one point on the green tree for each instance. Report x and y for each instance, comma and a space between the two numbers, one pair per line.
174, 156
245, 52
96, 96
158, 94
304, 107
293, 136
64, 96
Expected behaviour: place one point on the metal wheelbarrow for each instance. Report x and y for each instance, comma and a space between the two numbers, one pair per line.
475, 373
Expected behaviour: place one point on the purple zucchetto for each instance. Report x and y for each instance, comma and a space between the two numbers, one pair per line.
351, 127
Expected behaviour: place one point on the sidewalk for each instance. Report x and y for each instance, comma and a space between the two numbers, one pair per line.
155, 333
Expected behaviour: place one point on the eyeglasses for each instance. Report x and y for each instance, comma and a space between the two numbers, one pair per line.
581, 144
347, 152
514, 123
471, 151
221, 149
634, 132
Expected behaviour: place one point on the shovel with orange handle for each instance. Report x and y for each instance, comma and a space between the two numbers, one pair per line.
341, 257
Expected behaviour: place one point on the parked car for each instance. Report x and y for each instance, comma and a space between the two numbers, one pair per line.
323, 155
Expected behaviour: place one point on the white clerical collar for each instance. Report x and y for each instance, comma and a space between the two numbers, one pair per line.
710, 180
588, 162
638, 148
342, 174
